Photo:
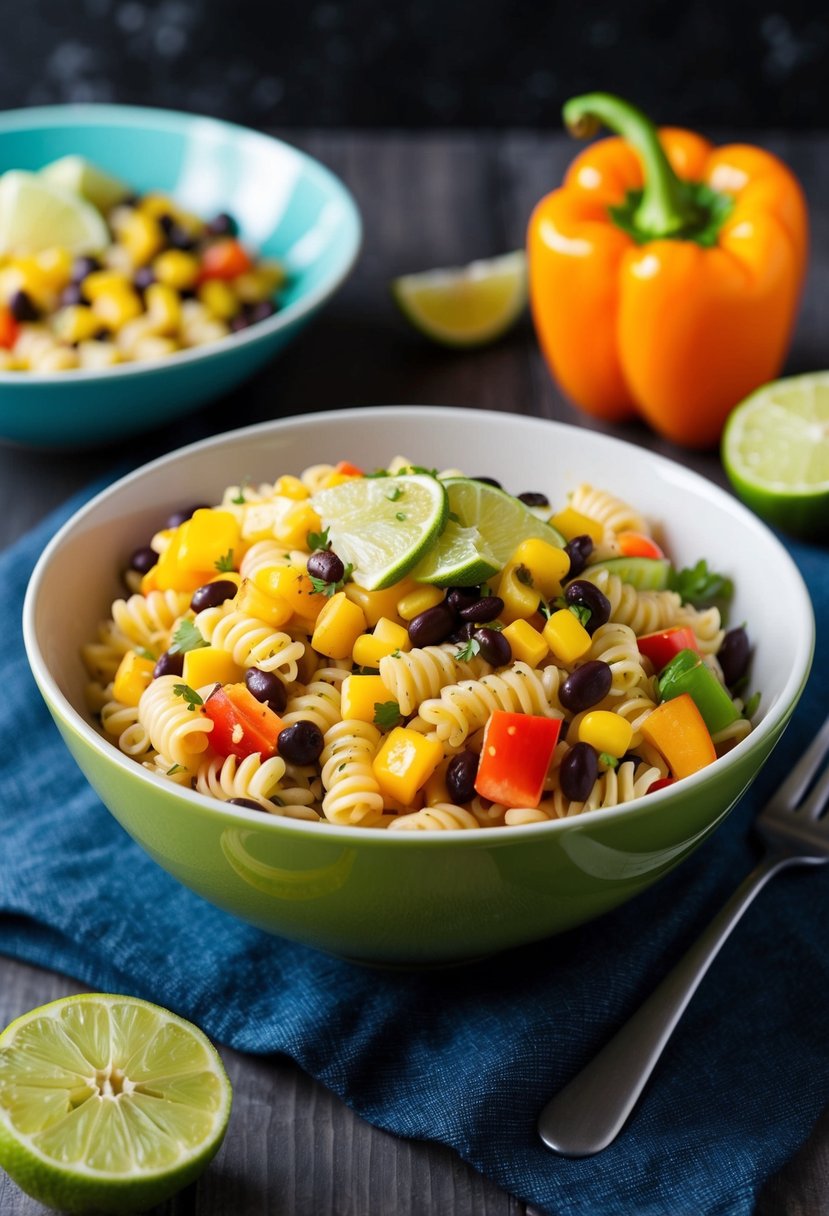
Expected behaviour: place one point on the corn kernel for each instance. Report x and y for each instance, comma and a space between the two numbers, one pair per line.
392, 634
606, 731
335, 479
405, 762
58, 359
163, 308
177, 269
292, 530
141, 235
251, 599
546, 564
115, 308
76, 323
520, 598
98, 354
287, 486
210, 665
566, 636
252, 287
527, 644
570, 523
153, 347
411, 605
132, 677
378, 604
157, 204
338, 626
361, 695
294, 588
219, 298
104, 282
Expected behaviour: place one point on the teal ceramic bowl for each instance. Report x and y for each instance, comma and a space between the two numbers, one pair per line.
417, 898
288, 207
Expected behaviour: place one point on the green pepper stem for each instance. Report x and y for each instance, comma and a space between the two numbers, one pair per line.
665, 207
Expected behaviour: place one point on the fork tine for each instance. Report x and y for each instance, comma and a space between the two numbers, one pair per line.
789, 793
815, 804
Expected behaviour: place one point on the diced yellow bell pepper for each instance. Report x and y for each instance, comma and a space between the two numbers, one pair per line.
521, 599
360, 696
570, 523
387, 638
176, 268
190, 558
163, 308
219, 298
337, 627
606, 731
132, 677
76, 323
527, 644
287, 486
292, 530
210, 665
378, 604
293, 587
104, 282
417, 601
405, 762
547, 564
274, 612
115, 308
566, 636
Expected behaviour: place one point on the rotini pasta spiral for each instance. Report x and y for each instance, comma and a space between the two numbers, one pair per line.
101, 658
464, 707
615, 644
121, 722
252, 643
147, 620
642, 611
615, 514
352, 792
412, 676
174, 729
437, 818
228, 777
318, 702
264, 554
613, 787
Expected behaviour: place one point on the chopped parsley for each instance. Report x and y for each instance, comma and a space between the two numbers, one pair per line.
186, 637
225, 562
468, 651
699, 586
387, 714
318, 540
239, 496
581, 612
187, 694
400, 516
607, 760
321, 587
395, 494
177, 768
143, 653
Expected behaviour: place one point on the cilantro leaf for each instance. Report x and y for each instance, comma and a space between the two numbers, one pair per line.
177, 768
387, 714
607, 760
186, 637
318, 540
699, 586
395, 494
143, 653
581, 612
239, 496
468, 651
187, 694
321, 587
225, 562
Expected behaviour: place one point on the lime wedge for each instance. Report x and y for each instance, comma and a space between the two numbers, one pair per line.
382, 526
459, 559
465, 306
79, 175
108, 1103
35, 214
775, 450
503, 521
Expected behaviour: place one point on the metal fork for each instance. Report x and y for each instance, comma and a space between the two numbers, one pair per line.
588, 1114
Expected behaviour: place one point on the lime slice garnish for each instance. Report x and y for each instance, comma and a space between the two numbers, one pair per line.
775, 450
382, 526
35, 214
468, 305
80, 176
108, 1103
502, 520
459, 559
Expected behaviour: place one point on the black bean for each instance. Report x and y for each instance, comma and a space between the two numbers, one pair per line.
246, 802
494, 647
578, 772
210, 595
23, 307
71, 295
459, 598
578, 550
84, 266
488, 481
261, 311
166, 223
584, 594
301, 743
181, 516
240, 321
488, 608
267, 688
586, 686
222, 225
171, 663
531, 498
143, 278
463, 634
102, 335
326, 565
461, 772
734, 655
143, 559
433, 626
180, 238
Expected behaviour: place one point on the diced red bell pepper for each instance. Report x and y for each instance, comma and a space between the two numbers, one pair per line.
515, 756
634, 544
225, 259
663, 646
661, 783
241, 724
9, 329
347, 469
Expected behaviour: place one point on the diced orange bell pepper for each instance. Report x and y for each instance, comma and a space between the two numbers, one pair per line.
9, 329
634, 544
225, 259
677, 729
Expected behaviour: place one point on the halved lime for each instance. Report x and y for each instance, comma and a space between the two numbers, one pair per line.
108, 1103
36, 214
502, 520
775, 450
79, 175
459, 559
383, 526
466, 305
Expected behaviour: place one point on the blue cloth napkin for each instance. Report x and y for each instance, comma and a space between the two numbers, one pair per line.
468, 1056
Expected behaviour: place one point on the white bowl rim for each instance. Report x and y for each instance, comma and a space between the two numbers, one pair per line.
241, 817
122, 116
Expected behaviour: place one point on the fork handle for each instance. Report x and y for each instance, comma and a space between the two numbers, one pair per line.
588, 1114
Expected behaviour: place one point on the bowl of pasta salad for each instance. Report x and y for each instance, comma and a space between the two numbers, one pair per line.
413, 685
151, 261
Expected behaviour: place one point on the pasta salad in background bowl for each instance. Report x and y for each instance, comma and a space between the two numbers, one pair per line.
413, 685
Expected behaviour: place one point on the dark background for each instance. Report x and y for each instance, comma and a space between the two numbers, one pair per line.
435, 63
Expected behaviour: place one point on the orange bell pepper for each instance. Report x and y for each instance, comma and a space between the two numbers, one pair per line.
665, 274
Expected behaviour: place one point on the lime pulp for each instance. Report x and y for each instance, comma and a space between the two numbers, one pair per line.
36, 214
468, 305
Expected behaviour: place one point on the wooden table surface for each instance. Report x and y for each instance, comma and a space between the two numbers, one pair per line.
427, 200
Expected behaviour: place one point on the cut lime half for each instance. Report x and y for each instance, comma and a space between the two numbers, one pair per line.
108, 1103
459, 559
383, 526
80, 176
775, 451
502, 520
465, 305
36, 214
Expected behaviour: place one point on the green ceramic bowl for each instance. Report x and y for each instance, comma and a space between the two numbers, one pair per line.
420, 898
288, 206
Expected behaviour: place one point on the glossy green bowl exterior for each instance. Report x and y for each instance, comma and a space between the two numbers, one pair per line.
288, 207
416, 898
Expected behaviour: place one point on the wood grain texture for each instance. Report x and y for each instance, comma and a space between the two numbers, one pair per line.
427, 200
